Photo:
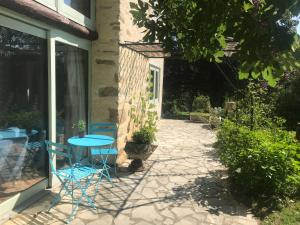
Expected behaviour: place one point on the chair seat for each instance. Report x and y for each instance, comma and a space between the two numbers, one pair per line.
78, 172
104, 151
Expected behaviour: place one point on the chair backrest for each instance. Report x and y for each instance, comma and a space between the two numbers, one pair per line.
106, 128
58, 150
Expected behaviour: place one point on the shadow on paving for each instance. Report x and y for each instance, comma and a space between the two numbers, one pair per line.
211, 192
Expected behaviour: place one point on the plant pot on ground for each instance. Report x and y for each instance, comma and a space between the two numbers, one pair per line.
140, 148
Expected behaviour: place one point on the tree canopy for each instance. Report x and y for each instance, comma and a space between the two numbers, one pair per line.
267, 44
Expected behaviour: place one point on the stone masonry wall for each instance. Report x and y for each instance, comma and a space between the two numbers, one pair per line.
134, 71
105, 63
119, 75
133, 74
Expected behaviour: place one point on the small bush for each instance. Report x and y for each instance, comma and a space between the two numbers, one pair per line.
201, 104
260, 161
199, 117
144, 136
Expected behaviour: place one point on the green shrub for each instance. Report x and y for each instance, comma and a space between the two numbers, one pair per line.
200, 117
145, 135
260, 161
201, 104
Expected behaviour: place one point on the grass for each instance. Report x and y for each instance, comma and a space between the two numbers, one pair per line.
287, 216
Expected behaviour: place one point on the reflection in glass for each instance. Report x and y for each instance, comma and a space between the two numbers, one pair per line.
23, 112
82, 6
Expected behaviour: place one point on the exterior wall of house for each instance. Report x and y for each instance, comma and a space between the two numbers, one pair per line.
134, 71
105, 63
119, 75
159, 62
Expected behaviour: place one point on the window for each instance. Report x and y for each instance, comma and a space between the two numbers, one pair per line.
80, 11
82, 6
23, 112
155, 82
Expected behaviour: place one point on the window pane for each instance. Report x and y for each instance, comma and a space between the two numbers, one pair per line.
152, 79
23, 112
157, 84
71, 89
82, 6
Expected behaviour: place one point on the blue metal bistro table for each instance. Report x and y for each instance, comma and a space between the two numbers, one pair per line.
95, 140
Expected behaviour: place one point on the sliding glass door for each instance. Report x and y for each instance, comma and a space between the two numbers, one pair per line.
71, 89
23, 111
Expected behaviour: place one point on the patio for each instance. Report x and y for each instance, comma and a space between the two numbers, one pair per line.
183, 183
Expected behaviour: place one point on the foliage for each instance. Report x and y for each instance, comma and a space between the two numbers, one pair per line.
80, 126
200, 117
264, 32
145, 119
288, 100
25, 119
216, 116
260, 161
144, 136
201, 104
256, 107
289, 215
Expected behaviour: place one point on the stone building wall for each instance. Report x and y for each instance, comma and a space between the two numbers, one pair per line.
105, 63
134, 71
119, 75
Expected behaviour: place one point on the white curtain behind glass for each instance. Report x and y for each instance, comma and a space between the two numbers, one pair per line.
75, 96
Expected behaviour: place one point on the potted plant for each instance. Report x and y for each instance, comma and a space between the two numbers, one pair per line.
141, 147
81, 127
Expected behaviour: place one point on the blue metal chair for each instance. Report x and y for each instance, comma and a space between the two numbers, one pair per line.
104, 153
72, 177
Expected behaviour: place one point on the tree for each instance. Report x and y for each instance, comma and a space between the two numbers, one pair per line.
264, 32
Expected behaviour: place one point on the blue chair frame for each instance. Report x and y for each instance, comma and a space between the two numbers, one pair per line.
71, 177
111, 130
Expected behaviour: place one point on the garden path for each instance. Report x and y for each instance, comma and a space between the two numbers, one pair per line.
183, 184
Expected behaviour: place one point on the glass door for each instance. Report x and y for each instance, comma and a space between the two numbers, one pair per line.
23, 111
71, 89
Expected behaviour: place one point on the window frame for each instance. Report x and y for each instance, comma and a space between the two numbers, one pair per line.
156, 82
67, 11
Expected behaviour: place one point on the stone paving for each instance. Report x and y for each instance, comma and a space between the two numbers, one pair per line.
183, 184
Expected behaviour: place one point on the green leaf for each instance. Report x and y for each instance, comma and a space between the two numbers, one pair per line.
243, 75
247, 6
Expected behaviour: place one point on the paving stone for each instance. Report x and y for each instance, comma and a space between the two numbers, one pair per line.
183, 184
182, 212
147, 213
122, 220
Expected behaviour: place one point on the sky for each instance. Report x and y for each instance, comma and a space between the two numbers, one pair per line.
298, 29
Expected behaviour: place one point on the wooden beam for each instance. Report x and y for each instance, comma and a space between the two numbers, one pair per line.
42, 13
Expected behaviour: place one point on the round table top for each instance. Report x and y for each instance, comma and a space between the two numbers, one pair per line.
91, 140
